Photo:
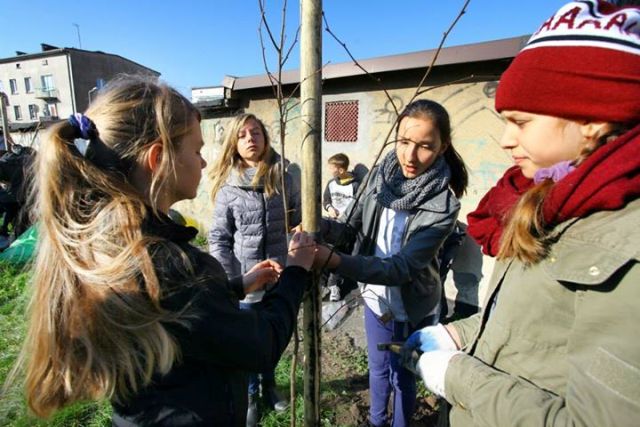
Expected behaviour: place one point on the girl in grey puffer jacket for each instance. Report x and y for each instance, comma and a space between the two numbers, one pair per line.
249, 220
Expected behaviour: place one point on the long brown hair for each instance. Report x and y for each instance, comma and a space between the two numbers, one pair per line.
431, 110
95, 321
526, 235
268, 173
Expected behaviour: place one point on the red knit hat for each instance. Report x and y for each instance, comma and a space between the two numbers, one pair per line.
582, 64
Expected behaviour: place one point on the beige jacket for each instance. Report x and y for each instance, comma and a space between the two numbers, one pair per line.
558, 342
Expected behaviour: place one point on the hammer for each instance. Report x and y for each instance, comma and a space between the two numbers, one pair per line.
408, 360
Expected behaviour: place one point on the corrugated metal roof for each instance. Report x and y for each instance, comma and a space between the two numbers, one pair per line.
491, 50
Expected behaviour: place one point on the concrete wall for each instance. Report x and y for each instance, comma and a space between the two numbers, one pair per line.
88, 67
476, 131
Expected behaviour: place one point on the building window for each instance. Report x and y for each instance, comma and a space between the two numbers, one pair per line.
45, 62
17, 112
33, 112
28, 87
341, 121
46, 81
50, 110
14, 86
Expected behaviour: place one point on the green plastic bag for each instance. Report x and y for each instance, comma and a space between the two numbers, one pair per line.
22, 249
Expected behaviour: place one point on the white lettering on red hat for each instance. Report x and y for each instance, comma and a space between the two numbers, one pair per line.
591, 23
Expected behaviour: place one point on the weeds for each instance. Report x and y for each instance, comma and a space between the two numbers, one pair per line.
13, 411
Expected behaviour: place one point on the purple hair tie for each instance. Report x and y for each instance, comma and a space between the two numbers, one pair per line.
87, 143
555, 172
83, 125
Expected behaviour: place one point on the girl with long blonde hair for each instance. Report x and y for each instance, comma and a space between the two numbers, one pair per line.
123, 307
250, 220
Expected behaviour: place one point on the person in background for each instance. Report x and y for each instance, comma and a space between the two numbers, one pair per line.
124, 307
447, 255
248, 224
556, 343
16, 171
405, 214
339, 193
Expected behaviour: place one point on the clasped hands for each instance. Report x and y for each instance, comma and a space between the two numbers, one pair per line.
322, 254
301, 253
437, 347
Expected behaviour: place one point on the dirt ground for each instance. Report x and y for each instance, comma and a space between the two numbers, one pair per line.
344, 371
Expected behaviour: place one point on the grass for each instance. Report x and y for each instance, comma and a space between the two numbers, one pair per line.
13, 412
274, 419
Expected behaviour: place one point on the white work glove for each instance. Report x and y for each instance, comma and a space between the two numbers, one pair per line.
429, 339
432, 367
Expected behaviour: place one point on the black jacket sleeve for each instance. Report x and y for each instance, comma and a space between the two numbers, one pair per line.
217, 331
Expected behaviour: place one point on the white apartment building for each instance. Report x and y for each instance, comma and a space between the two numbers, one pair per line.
52, 84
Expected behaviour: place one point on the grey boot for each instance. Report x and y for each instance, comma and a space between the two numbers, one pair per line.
253, 412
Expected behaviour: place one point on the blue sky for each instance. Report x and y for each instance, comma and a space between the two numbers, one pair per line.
196, 42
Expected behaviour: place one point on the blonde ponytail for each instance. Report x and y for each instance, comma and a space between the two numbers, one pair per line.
96, 325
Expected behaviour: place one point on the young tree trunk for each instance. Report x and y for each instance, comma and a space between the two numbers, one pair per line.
311, 111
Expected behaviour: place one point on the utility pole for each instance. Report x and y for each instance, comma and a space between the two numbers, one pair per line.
311, 110
5, 121
78, 31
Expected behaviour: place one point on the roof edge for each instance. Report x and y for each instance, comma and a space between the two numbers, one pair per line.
66, 51
473, 52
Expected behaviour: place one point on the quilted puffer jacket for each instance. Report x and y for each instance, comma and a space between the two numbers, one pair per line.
248, 226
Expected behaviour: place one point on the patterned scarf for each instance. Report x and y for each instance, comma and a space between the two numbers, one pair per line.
399, 193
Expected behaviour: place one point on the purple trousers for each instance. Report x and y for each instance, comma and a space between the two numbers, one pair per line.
386, 375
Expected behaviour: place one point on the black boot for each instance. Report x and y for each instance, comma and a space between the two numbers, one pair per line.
253, 412
273, 400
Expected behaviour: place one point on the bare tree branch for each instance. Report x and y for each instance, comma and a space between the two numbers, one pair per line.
460, 80
439, 49
295, 41
271, 77
264, 19
387, 142
297, 86
357, 64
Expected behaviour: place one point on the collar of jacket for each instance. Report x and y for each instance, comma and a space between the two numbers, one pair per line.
243, 177
348, 179
161, 225
438, 203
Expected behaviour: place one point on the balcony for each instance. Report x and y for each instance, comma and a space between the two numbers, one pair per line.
47, 93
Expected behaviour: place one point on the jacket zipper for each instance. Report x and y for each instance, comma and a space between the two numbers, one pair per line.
264, 226
405, 232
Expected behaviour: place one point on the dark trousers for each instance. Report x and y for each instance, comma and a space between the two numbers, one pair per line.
385, 372
267, 378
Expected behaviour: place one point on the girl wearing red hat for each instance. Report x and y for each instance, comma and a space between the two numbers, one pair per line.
556, 343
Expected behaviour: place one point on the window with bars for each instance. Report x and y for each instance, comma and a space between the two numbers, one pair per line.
341, 121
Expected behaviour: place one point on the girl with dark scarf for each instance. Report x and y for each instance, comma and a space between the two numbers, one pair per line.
406, 212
